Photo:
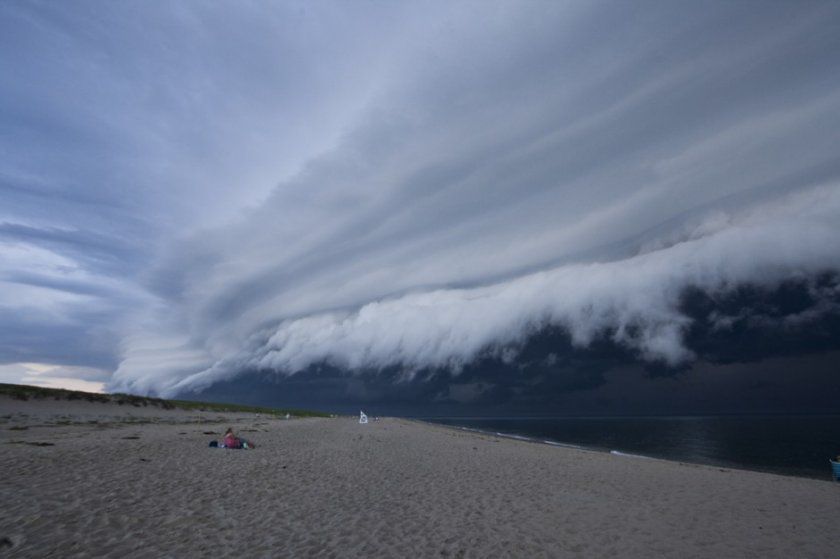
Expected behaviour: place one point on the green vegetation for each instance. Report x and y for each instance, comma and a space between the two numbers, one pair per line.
24, 392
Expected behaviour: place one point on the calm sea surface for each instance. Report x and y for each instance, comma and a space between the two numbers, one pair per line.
790, 445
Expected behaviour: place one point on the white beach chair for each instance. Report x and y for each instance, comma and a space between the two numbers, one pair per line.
362, 418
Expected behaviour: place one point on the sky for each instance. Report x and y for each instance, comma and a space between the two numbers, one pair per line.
460, 206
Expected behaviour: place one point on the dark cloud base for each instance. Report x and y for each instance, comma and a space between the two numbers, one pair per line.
758, 350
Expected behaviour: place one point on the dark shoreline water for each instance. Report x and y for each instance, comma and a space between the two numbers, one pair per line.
796, 445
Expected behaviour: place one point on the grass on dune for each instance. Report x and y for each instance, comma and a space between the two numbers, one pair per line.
25, 392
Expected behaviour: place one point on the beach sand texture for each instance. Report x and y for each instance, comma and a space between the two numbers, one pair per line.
391, 488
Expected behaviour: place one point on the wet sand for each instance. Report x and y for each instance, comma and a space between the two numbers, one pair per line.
148, 485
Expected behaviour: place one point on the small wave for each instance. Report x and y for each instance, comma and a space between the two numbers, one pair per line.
512, 436
564, 445
619, 453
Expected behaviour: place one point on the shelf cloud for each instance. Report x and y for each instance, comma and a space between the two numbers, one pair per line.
408, 187
636, 301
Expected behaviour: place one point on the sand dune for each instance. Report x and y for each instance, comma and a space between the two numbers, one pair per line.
392, 488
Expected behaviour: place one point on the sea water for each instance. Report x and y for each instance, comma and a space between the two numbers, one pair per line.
799, 445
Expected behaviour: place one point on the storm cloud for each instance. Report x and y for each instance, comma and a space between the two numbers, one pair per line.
403, 192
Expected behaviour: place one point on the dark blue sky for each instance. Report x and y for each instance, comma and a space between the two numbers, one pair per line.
409, 195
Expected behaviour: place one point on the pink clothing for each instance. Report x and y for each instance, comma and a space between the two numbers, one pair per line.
231, 441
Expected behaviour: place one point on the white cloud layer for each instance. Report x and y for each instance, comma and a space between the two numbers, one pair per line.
189, 192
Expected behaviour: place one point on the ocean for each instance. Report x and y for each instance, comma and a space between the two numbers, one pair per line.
797, 445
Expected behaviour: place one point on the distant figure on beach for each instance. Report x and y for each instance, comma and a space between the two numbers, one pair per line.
232, 441
362, 418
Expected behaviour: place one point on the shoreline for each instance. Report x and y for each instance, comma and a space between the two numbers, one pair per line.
615, 452
825, 476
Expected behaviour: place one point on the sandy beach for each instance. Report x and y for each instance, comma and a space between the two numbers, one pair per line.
86, 479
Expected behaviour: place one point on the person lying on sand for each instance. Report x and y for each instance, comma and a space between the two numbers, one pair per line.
232, 441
